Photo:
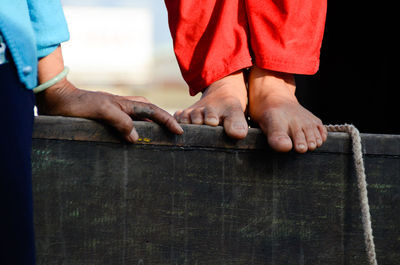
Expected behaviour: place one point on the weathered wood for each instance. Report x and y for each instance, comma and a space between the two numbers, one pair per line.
202, 198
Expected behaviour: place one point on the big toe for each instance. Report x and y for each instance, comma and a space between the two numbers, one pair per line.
235, 124
280, 141
277, 133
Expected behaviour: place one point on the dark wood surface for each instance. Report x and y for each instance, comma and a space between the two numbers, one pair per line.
202, 198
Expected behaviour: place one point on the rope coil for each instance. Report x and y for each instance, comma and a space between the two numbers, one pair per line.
362, 186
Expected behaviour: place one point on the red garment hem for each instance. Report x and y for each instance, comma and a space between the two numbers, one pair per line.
201, 83
298, 66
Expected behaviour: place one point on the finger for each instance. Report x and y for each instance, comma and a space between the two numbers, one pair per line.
122, 122
118, 99
133, 136
150, 111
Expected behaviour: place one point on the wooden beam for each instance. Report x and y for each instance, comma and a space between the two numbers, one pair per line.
202, 198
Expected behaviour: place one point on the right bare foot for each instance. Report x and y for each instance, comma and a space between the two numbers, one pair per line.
274, 107
223, 102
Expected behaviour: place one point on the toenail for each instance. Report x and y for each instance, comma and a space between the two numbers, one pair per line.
212, 121
283, 138
301, 146
239, 126
312, 145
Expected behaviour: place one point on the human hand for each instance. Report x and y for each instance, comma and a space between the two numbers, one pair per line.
65, 99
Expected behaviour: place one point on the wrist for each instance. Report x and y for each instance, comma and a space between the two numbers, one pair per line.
53, 100
52, 82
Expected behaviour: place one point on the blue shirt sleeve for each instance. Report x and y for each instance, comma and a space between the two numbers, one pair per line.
31, 29
49, 25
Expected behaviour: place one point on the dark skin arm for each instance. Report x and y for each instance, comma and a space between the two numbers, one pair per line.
65, 99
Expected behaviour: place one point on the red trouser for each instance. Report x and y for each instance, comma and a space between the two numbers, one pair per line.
214, 38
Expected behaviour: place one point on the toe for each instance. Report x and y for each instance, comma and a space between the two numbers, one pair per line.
280, 141
318, 137
309, 133
277, 132
235, 123
299, 140
211, 116
177, 114
323, 132
196, 116
184, 117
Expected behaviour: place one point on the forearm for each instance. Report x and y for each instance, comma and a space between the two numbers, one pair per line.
50, 66
50, 101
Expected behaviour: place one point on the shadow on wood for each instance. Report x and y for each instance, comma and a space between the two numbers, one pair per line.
202, 198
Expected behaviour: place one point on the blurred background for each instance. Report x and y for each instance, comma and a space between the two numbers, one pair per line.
124, 47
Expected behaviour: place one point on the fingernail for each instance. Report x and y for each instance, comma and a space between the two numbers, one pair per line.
133, 136
179, 129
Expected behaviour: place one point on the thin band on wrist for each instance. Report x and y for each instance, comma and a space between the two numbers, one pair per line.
52, 81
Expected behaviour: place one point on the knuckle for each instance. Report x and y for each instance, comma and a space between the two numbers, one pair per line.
103, 107
142, 99
145, 110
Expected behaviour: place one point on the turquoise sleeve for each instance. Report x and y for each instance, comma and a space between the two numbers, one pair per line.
49, 25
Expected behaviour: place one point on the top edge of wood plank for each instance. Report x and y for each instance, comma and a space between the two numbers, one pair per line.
199, 136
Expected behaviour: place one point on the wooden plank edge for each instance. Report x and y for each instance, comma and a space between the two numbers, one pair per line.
78, 129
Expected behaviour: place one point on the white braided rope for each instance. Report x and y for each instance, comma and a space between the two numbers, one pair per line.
362, 186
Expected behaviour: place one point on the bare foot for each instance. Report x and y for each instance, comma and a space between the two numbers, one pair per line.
223, 102
274, 107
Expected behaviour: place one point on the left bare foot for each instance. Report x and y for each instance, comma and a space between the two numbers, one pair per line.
274, 107
223, 102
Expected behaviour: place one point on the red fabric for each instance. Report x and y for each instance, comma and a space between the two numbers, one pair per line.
214, 38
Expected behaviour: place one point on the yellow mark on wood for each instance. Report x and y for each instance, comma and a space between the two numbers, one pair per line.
146, 140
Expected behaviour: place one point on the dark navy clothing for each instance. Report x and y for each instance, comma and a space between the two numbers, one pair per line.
16, 214
30, 29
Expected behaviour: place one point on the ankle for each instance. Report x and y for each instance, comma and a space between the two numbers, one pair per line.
266, 83
229, 88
